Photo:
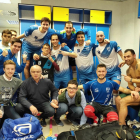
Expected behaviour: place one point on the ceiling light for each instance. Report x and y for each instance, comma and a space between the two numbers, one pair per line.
12, 22
5, 1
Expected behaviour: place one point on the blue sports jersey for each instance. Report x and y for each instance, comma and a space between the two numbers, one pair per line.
102, 92
71, 42
107, 55
35, 39
84, 62
19, 69
62, 61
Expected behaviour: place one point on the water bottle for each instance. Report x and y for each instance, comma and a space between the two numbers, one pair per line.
1, 110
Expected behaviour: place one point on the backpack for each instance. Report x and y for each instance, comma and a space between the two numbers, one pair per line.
108, 131
24, 128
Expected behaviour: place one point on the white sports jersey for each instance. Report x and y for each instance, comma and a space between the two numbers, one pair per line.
4, 47
84, 60
107, 55
63, 63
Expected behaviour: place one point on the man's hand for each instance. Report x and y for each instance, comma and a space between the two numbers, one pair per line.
64, 53
24, 56
126, 78
54, 103
87, 42
61, 90
106, 41
50, 58
63, 45
137, 89
4, 53
134, 94
121, 64
35, 56
34, 110
1, 113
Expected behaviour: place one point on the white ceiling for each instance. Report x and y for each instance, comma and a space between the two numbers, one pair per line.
4, 8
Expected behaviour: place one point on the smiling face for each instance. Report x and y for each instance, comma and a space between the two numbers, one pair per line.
45, 26
68, 28
54, 40
9, 70
72, 89
80, 38
46, 50
15, 48
101, 72
129, 58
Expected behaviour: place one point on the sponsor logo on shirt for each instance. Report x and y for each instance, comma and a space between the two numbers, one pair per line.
98, 52
78, 50
39, 62
87, 48
108, 48
96, 90
107, 89
71, 38
36, 37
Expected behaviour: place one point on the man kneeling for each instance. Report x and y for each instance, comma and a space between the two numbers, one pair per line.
72, 101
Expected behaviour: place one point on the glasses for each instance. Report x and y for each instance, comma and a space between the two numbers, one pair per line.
69, 88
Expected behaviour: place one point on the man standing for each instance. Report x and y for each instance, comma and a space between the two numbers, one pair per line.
8, 86
73, 101
6, 38
10, 54
102, 95
34, 95
61, 55
34, 38
133, 76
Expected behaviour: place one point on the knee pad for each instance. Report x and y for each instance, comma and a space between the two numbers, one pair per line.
89, 111
112, 116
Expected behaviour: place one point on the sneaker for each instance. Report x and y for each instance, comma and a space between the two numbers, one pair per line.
43, 122
59, 122
96, 120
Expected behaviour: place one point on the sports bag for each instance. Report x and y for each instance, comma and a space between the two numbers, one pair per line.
26, 128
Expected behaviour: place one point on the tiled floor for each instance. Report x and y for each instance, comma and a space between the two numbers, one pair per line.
56, 129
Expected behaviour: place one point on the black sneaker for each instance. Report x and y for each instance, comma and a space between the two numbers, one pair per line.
59, 122
43, 122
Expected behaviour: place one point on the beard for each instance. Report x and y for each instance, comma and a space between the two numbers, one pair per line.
101, 41
101, 78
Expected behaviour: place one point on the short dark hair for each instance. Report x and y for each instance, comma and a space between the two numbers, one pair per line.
9, 62
73, 82
46, 20
130, 50
7, 31
46, 44
79, 33
16, 40
53, 35
101, 66
68, 22
13, 31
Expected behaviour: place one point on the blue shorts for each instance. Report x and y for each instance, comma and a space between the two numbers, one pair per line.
30, 50
61, 84
114, 76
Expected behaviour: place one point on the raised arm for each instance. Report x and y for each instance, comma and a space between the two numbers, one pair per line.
21, 36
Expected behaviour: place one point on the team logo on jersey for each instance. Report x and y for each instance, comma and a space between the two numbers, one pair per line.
98, 52
108, 48
96, 90
39, 62
107, 89
78, 50
118, 77
36, 37
87, 48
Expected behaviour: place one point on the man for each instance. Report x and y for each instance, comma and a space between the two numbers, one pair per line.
73, 101
8, 86
34, 95
107, 54
61, 55
6, 38
14, 33
133, 77
46, 62
10, 54
34, 38
84, 60
68, 36
102, 95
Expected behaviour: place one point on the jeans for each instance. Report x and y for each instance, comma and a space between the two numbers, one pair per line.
46, 109
74, 111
